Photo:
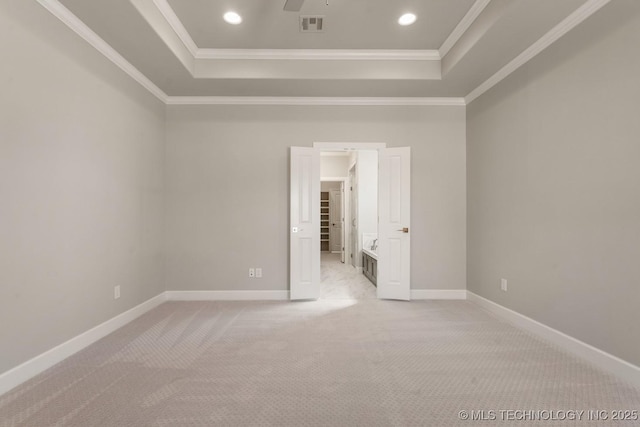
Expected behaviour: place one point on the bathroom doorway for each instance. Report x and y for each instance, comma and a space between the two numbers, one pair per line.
392, 204
349, 200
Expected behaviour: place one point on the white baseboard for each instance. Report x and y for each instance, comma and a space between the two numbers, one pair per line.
227, 295
451, 294
44, 361
608, 362
416, 294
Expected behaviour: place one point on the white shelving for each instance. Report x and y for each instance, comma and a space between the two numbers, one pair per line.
324, 221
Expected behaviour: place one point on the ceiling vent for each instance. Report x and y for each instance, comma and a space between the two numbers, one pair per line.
311, 24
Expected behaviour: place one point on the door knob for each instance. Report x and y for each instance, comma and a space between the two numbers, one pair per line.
405, 230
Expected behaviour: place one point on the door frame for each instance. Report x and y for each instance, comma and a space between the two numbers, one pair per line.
344, 180
352, 174
348, 147
338, 146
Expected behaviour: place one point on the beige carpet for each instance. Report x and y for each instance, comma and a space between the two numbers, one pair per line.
329, 362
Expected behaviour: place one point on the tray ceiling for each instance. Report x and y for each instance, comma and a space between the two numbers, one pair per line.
184, 49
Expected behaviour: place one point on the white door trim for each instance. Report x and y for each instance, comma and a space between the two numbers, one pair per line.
355, 146
349, 146
341, 147
345, 223
336, 217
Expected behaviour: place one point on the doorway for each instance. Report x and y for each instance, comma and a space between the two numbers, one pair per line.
390, 212
349, 181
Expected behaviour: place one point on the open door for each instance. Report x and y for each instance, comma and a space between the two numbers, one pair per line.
304, 230
394, 239
342, 213
335, 221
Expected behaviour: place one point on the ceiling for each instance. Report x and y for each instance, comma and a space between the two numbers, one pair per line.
349, 24
184, 52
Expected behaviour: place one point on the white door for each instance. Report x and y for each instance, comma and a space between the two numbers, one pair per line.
394, 239
343, 215
335, 221
304, 228
353, 217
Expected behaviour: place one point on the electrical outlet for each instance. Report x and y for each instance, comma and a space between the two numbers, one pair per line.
259, 272
116, 292
503, 285
252, 272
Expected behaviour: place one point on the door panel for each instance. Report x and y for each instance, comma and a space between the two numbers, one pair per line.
304, 228
343, 237
353, 215
394, 240
335, 206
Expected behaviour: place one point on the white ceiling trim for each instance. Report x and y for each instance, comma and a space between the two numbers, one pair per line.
176, 24
285, 63
320, 54
570, 22
158, 22
80, 28
463, 26
292, 54
322, 101
74, 23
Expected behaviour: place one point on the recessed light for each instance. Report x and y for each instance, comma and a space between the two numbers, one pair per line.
232, 18
407, 19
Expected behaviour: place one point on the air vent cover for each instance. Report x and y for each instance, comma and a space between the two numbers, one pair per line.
311, 24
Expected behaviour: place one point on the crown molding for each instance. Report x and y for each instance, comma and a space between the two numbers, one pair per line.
311, 101
80, 28
58, 10
176, 25
570, 22
288, 54
321, 54
285, 63
462, 27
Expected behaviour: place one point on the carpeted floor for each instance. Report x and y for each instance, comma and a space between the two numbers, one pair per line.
322, 363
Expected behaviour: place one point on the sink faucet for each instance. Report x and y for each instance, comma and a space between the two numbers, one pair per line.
374, 245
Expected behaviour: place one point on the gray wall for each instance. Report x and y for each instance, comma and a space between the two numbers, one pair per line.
81, 175
554, 185
227, 200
